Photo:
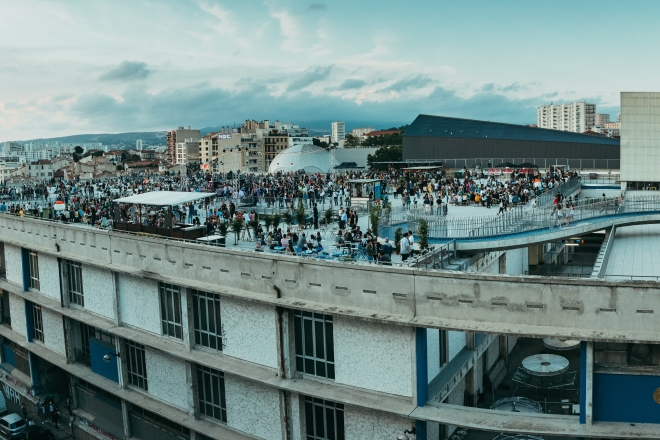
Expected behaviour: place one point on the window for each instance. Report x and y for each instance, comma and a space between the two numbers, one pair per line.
86, 332
74, 281
211, 393
314, 344
3, 267
38, 323
208, 326
170, 310
163, 422
33, 266
5, 314
136, 365
324, 420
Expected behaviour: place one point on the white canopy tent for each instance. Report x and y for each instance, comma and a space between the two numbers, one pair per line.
164, 198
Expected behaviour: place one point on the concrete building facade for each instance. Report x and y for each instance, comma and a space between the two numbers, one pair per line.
640, 140
179, 135
577, 117
165, 339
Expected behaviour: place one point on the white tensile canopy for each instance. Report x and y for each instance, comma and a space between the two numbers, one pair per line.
164, 198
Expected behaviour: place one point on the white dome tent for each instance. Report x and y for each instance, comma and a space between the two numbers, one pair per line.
307, 157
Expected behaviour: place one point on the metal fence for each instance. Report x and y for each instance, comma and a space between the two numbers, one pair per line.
590, 164
525, 219
567, 188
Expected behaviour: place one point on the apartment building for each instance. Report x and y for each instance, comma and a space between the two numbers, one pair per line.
602, 119
338, 131
177, 136
576, 117
358, 132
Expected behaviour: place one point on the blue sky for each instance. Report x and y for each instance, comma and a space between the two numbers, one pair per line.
69, 67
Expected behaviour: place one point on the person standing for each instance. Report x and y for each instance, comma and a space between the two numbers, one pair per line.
316, 216
24, 410
56, 417
51, 409
42, 412
404, 246
411, 240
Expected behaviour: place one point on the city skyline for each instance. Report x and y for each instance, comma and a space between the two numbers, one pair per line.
75, 67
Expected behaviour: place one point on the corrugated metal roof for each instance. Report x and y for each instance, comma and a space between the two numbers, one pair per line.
444, 127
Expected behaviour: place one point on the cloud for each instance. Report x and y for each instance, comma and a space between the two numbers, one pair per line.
311, 75
127, 71
317, 7
351, 84
414, 82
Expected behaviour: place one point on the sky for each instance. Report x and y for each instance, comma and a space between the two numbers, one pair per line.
80, 66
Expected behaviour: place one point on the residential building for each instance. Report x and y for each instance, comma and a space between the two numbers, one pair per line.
358, 132
602, 119
41, 169
338, 131
138, 144
187, 152
577, 117
179, 135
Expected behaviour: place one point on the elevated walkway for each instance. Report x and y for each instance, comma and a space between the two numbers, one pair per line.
525, 226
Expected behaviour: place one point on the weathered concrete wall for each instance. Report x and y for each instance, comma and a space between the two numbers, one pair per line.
517, 261
166, 376
493, 353
586, 309
17, 313
373, 356
253, 408
14, 263
456, 398
139, 305
99, 289
49, 276
53, 331
297, 430
249, 331
362, 423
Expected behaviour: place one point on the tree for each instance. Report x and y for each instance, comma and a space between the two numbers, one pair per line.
352, 141
328, 216
78, 150
423, 231
300, 214
398, 234
277, 219
288, 218
318, 143
375, 218
236, 227
384, 154
268, 222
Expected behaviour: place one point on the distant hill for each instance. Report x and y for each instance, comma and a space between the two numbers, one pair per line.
126, 140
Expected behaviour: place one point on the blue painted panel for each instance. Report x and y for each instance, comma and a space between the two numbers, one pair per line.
420, 430
98, 349
35, 372
8, 355
625, 398
583, 382
422, 366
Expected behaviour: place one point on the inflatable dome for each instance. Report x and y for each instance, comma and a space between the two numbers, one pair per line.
307, 157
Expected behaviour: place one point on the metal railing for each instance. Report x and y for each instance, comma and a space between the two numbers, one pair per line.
567, 188
439, 257
526, 219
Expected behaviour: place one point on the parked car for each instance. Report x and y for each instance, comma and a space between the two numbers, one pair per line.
37, 433
11, 426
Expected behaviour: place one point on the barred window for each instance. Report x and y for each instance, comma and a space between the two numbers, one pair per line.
33, 266
324, 420
74, 276
86, 332
208, 327
38, 323
211, 393
136, 365
314, 344
170, 310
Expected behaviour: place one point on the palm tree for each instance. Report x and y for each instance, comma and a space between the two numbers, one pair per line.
268, 222
288, 218
254, 224
300, 214
277, 219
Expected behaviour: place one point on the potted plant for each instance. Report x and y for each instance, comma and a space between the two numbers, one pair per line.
300, 214
328, 217
398, 235
254, 224
287, 218
277, 219
423, 231
268, 222
222, 228
374, 216
236, 227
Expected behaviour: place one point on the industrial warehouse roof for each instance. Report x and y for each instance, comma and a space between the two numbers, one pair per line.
164, 198
444, 127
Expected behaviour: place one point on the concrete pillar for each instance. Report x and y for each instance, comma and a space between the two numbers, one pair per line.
125, 406
421, 375
191, 382
187, 317
115, 302
69, 341
471, 384
589, 385
122, 365
533, 255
